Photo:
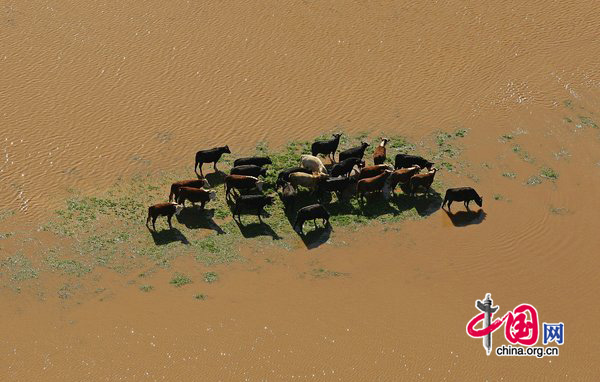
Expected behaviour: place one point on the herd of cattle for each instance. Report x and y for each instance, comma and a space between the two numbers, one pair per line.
349, 174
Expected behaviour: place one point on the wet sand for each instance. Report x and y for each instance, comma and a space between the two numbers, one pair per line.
92, 93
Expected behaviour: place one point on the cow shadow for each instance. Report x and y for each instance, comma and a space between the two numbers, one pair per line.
167, 236
317, 236
195, 218
256, 229
424, 204
466, 218
216, 178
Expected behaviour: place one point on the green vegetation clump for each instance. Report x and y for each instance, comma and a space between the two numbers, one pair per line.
200, 296
19, 268
587, 121
320, 273
211, 277
498, 197
533, 180
68, 266
549, 173
179, 280
510, 175
146, 288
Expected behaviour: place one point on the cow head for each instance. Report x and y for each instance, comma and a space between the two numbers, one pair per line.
263, 172
205, 183
212, 195
361, 163
337, 135
365, 145
268, 160
226, 149
479, 201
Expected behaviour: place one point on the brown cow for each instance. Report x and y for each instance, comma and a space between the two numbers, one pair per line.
195, 183
163, 209
401, 176
371, 171
422, 180
373, 184
379, 153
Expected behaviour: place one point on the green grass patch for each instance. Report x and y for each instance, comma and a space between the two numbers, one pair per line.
179, 280
587, 121
146, 288
68, 266
19, 268
511, 175
322, 273
548, 173
533, 180
498, 197
200, 296
211, 277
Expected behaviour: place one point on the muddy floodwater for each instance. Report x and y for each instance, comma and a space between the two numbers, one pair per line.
506, 95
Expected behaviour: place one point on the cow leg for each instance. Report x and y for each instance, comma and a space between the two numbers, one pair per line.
215, 167
202, 204
258, 213
315, 222
169, 221
201, 174
154, 223
148, 220
449, 203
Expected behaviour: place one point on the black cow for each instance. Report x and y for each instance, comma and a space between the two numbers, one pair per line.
462, 194
288, 196
195, 195
326, 147
337, 185
210, 156
355, 152
284, 175
257, 161
406, 160
241, 182
255, 202
345, 167
249, 169
312, 212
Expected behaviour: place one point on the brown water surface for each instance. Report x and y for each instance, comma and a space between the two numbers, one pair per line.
95, 91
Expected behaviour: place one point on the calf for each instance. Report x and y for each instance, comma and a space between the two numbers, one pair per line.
210, 156
256, 202
241, 182
284, 175
402, 176
195, 195
257, 161
345, 167
195, 183
310, 181
406, 160
374, 184
288, 196
313, 164
355, 152
462, 194
371, 171
162, 209
326, 147
422, 180
337, 185
379, 154
249, 169
312, 212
